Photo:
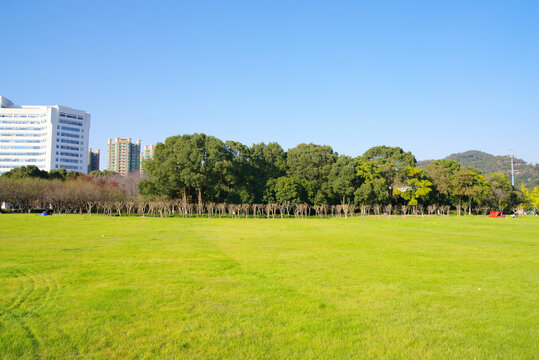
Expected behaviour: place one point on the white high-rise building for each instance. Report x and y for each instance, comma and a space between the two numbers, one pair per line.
49, 137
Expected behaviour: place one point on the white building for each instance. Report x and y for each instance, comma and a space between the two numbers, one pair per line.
49, 137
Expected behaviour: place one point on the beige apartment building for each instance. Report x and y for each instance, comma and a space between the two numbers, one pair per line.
123, 156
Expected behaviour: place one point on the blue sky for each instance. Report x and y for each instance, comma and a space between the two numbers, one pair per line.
432, 77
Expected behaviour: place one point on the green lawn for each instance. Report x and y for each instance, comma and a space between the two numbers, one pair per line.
363, 288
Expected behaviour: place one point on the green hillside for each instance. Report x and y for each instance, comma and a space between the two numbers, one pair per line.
488, 163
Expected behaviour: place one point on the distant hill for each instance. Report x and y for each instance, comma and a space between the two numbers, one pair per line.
524, 172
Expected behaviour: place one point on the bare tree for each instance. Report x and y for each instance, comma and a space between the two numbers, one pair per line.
190, 208
345, 209
211, 208
221, 207
377, 208
268, 210
141, 206
129, 205
118, 205
245, 208
446, 209
404, 209
232, 210
352, 208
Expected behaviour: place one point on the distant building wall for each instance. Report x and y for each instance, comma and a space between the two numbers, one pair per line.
93, 160
123, 156
49, 137
146, 154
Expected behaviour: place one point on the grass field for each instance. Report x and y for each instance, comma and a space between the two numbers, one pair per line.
363, 288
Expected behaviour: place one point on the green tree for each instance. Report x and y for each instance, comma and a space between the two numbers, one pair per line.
419, 187
468, 182
312, 163
240, 179
373, 192
30, 171
289, 189
530, 198
503, 193
392, 162
534, 195
101, 173
343, 178
267, 162
191, 164
58, 174
441, 173
373, 188
147, 188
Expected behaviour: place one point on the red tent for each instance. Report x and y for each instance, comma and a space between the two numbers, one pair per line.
495, 214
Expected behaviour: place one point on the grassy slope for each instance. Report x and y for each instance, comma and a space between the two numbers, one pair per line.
198, 288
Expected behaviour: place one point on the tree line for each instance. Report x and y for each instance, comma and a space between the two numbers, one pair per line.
196, 175
199, 168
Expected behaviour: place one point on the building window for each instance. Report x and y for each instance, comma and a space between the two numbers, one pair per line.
70, 135
69, 122
70, 141
71, 129
72, 161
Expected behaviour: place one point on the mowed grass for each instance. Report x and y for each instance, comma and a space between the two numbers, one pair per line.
96, 287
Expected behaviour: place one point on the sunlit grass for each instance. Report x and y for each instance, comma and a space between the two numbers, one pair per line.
434, 288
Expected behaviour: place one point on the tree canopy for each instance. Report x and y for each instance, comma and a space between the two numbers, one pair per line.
201, 169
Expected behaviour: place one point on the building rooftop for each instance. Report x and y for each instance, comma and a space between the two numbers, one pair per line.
5, 102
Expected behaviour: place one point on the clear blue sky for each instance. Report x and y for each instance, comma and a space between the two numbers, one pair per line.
432, 77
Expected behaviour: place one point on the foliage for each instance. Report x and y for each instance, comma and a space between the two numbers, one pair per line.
392, 163
527, 174
191, 164
287, 189
530, 198
503, 193
32, 171
312, 163
101, 173
198, 169
469, 183
373, 188
419, 187
441, 173
343, 178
